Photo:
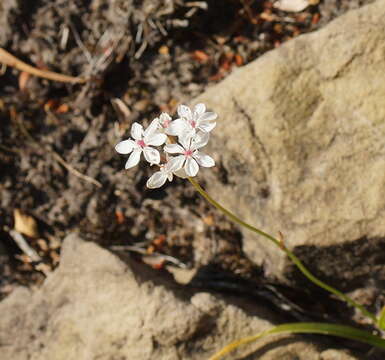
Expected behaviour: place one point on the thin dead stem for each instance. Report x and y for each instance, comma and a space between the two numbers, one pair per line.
57, 157
9, 60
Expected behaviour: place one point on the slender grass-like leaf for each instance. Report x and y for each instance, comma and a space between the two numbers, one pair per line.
346, 332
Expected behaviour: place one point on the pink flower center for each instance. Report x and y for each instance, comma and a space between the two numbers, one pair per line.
166, 123
193, 124
188, 153
141, 143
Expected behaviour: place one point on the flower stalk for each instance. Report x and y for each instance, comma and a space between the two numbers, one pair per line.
291, 255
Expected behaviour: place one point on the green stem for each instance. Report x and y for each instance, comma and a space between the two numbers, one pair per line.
329, 288
294, 258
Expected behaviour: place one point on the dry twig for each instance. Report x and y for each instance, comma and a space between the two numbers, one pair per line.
58, 158
23, 245
9, 60
75, 172
142, 251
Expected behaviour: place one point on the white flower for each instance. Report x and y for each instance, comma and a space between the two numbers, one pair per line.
165, 172
190, 157
164, 120
192, 121
167, 126
143, 140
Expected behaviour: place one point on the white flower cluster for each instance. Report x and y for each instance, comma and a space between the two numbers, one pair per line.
183, 137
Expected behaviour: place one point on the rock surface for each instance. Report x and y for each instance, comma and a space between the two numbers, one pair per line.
96, 306
300, 140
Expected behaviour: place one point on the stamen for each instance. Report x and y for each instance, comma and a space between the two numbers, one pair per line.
188, 153
141, 143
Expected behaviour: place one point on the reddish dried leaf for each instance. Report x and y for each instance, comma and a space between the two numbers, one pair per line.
62, 109
158, 266
226, 65
50, 105
226, 61
159, 241
200, 56
239, 60
218, 76
315, 19
119, 217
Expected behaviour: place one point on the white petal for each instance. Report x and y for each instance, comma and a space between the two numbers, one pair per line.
155, 139
133, 159
157, 180
175, 163
199, 140
151, 155
136, 131
151, 128
173, 149
165, 119
209, 116
207, 126
191, 167
177, 127
200, 108
185, 139
125, 146
203, 159
184, 112
181, 173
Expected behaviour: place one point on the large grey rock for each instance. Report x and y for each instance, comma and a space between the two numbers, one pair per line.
300, 140
95, 306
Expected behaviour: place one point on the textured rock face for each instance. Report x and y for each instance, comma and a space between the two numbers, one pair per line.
95, 306
301, 138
